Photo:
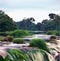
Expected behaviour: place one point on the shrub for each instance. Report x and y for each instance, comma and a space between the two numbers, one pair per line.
4, 39
39, 43
18, 40
3, 33
58, 33
51, 32
10, 38
19, 33
0, 38
53, 39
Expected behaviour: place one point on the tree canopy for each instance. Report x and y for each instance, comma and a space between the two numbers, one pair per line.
6, 23
26, 24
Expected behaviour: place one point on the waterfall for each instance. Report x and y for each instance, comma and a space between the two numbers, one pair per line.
30, 55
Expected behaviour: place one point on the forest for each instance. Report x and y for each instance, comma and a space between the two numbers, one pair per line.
8, 24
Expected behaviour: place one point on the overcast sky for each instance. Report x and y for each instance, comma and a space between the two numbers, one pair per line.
39, 9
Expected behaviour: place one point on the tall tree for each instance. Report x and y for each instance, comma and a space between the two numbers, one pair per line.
6, 23
52, 24
57, 22
52, 15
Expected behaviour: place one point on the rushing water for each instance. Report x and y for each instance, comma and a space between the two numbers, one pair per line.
32, 55
40, 36
35, 55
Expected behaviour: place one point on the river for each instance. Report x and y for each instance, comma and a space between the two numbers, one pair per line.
39, 36
27, 38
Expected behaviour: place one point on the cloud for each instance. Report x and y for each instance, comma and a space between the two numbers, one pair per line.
29, 4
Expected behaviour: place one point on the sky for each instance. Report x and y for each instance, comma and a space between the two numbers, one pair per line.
39, 9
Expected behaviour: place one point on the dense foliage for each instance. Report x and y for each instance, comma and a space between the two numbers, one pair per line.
4, 33
47, 24
19, 33
52, 23
39, 43
28, 24
7, 38
6, 23
18, 40
10, 38
53, 39
53, 32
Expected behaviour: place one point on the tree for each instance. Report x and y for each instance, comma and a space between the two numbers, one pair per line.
38, 26
26, 24
6, 23
45, 24
57, 22
52, 15
32, 19
52, 24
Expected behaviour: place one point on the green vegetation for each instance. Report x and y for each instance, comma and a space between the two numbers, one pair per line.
6, 23
53, 32
7, 38
18, 40
39, 43
0, 38
11, 31
53, 39
4, 33
19, 33
26, 24
17, 55
10, 38
58, 33
47, 24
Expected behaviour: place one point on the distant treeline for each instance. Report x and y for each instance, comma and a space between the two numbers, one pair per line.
46, 25
7, 23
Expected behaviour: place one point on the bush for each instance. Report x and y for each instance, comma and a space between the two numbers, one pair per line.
53, 39
58, 33
10, 38
4, 39
1, 38
39, 43
3, 33
18, 40
19, 33
51, 32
